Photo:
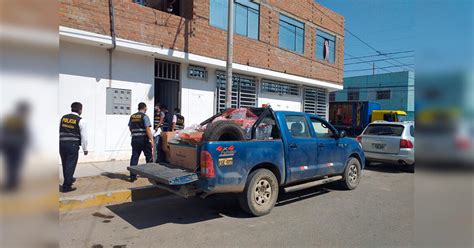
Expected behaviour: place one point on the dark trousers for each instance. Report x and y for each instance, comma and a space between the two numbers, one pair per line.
160, 155
140, 145
69, 154
14, 161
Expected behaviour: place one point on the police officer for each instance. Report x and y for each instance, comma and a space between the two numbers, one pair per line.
14, 141
178, 120
72, 134
168, 120
159, 116
142, 138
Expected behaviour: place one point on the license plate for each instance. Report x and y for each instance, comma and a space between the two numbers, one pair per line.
379, 146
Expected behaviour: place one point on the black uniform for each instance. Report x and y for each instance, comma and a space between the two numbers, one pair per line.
69, 142
179, 121
140, 142
167, 122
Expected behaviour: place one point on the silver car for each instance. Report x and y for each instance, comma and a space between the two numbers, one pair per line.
389, 142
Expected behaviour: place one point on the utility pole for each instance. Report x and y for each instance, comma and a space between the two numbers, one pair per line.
373, 68
230, 48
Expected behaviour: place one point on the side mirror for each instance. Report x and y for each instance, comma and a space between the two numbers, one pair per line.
342, 134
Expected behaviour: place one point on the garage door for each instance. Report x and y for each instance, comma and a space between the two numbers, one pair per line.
315, 101
244, 91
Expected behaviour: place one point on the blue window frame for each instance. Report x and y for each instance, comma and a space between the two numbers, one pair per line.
325, 46
246, 16
291, 34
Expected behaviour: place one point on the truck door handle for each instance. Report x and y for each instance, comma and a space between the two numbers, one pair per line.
320, 145
293, 145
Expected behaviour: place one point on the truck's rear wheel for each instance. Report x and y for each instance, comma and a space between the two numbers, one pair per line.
260, 193
352, 174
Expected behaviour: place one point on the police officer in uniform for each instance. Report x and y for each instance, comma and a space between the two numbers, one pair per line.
168, 120
72, 134
178, 120
142, 138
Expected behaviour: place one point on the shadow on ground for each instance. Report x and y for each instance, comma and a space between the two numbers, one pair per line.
175, 209
124, 177
389, 168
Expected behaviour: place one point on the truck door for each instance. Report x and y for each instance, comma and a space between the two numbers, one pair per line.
300, 148
330, 149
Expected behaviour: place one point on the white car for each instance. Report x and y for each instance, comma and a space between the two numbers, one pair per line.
389, 142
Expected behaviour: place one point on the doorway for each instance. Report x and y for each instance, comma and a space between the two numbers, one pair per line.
167, 87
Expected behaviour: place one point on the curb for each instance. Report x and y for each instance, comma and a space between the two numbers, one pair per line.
113, 197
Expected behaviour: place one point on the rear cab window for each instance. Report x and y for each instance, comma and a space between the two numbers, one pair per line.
384, 130
297, 126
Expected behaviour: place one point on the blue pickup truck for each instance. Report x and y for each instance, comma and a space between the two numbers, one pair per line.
301, 151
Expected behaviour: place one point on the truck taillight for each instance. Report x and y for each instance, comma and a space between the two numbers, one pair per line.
207, 165
406, 143
359, 139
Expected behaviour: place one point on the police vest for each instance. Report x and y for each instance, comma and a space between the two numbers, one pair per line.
69, 131
137, 125
179, 121
167, 122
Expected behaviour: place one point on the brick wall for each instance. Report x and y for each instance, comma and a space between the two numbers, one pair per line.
195, 35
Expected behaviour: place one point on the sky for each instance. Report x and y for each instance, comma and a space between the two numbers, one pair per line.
386, 25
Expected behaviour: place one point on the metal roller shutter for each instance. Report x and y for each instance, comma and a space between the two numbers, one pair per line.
244, 91
315, 101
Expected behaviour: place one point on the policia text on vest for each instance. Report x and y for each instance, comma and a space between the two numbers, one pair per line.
142, 138
72, 134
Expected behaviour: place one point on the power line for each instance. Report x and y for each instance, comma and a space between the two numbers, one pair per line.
358, 38
366, 63
402, 57
381, 67
378, 55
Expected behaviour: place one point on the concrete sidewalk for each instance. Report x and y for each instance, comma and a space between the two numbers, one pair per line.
104, 183
100, 168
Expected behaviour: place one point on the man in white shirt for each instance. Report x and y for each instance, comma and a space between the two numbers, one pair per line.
72, 134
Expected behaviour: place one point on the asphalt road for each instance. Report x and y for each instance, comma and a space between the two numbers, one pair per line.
378, 213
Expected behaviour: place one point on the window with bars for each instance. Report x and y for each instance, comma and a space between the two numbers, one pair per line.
244, 91
166, 70
383, 94
197, 72
269, 86
315, 101
353, 95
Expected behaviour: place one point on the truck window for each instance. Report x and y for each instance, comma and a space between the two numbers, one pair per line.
322, 131
267, 129
297, 126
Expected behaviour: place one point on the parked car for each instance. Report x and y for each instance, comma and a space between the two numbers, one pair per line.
302, 151
389, 142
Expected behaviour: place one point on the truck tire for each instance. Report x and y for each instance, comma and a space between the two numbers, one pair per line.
223, 131
260, 193
352, 174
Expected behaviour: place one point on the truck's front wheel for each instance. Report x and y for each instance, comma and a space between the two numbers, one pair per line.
260, 193
352, 174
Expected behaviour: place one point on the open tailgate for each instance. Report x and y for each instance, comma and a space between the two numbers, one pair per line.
164, 175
